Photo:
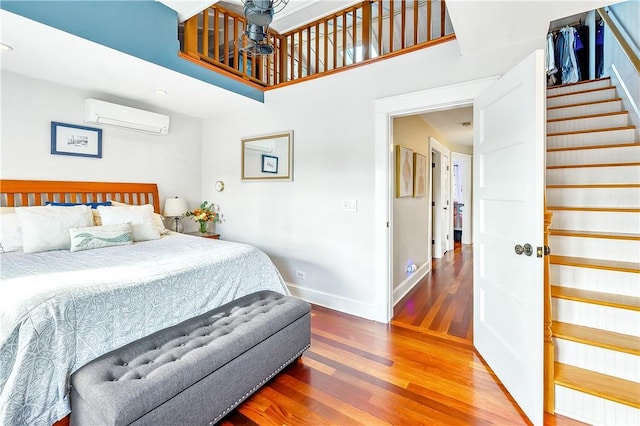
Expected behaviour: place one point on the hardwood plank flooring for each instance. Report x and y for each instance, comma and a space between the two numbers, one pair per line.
421, 369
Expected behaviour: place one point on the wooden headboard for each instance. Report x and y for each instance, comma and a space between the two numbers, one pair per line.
20, 193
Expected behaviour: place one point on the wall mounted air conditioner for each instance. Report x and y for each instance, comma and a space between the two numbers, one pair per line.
261, 145
107, 113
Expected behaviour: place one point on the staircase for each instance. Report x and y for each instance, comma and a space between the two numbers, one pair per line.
593, 191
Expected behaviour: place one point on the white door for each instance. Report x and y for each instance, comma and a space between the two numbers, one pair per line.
447, 207
508, 176
436, 203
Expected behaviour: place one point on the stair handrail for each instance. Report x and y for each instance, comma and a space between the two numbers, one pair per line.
620, 38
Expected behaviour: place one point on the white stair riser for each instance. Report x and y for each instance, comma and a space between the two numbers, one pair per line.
589, 109
572, 88
592, 175
595, 248
594, 156
596, 316
594, 197
601, 280
591, 138
591, 123
613, 363
596, 221
578, 98
594, 410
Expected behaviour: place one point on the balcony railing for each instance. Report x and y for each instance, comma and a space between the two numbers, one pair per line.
362, 33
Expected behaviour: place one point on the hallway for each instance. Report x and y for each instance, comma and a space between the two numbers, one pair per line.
442, 302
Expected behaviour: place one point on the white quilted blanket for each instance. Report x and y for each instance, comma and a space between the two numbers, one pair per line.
59, 310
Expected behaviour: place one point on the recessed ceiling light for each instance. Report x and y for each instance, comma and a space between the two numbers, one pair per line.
5, 47
160, 91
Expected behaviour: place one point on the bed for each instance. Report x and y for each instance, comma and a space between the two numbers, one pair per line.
61, 309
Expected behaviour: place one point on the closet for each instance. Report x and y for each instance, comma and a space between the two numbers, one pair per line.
568, 52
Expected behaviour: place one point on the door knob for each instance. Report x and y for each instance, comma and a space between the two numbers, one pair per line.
527, 249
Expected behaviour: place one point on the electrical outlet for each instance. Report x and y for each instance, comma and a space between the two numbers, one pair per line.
301, 274
350, 205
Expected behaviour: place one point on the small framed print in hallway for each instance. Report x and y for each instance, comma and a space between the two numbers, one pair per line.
404, 172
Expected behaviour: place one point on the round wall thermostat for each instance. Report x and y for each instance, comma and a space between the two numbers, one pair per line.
219, 186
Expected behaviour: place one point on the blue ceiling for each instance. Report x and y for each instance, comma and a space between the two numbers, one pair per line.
144, 28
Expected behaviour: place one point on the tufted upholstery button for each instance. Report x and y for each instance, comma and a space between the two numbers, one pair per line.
125, 364
182, 344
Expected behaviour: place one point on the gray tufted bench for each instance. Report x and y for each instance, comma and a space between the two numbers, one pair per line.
194, 372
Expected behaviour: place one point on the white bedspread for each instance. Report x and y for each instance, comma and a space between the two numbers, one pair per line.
59, 310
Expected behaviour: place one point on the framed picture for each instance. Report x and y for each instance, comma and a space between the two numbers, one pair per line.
404, 172
269, 164
80, 141
420, 175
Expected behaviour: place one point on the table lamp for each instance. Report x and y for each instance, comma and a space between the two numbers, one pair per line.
175, 208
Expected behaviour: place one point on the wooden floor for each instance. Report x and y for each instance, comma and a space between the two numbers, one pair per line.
421, 369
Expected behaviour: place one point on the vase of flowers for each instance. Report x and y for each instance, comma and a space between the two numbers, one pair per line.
206, 214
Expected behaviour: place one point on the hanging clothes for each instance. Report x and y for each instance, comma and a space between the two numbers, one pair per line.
551, 61
568, 61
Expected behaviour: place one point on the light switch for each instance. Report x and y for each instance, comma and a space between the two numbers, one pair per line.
350, 205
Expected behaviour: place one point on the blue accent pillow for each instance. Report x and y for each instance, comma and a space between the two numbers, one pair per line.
92, 205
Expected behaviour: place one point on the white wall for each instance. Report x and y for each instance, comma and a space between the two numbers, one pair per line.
30, 105
301, 224
411, 216
617, 65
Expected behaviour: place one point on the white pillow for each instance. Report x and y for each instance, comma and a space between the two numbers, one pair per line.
10, 233
140, 217
92, 237
46, 228
158, 219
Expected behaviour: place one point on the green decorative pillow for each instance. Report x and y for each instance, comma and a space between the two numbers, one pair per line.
92, 237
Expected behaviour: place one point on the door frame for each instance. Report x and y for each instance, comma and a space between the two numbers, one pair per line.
467, 219
442, 224
444, 97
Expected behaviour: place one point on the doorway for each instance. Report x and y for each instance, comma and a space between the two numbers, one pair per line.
441, 220
440, 98
462, 196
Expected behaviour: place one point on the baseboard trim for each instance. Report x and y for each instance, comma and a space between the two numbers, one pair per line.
338, 303
410, 282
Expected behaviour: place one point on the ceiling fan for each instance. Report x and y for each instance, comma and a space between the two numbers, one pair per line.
259, 14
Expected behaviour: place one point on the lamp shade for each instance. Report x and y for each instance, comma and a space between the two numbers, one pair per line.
174, 207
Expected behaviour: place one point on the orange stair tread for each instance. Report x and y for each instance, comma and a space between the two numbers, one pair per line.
580, 104
597, 337
582, 117
581, 92
581, 166
596, 297
557, 86
598, 185
595, 234
584, 262
603, 129
585, 147
604, 386
597, 209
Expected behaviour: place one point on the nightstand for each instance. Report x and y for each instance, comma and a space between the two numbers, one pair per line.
205, 235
